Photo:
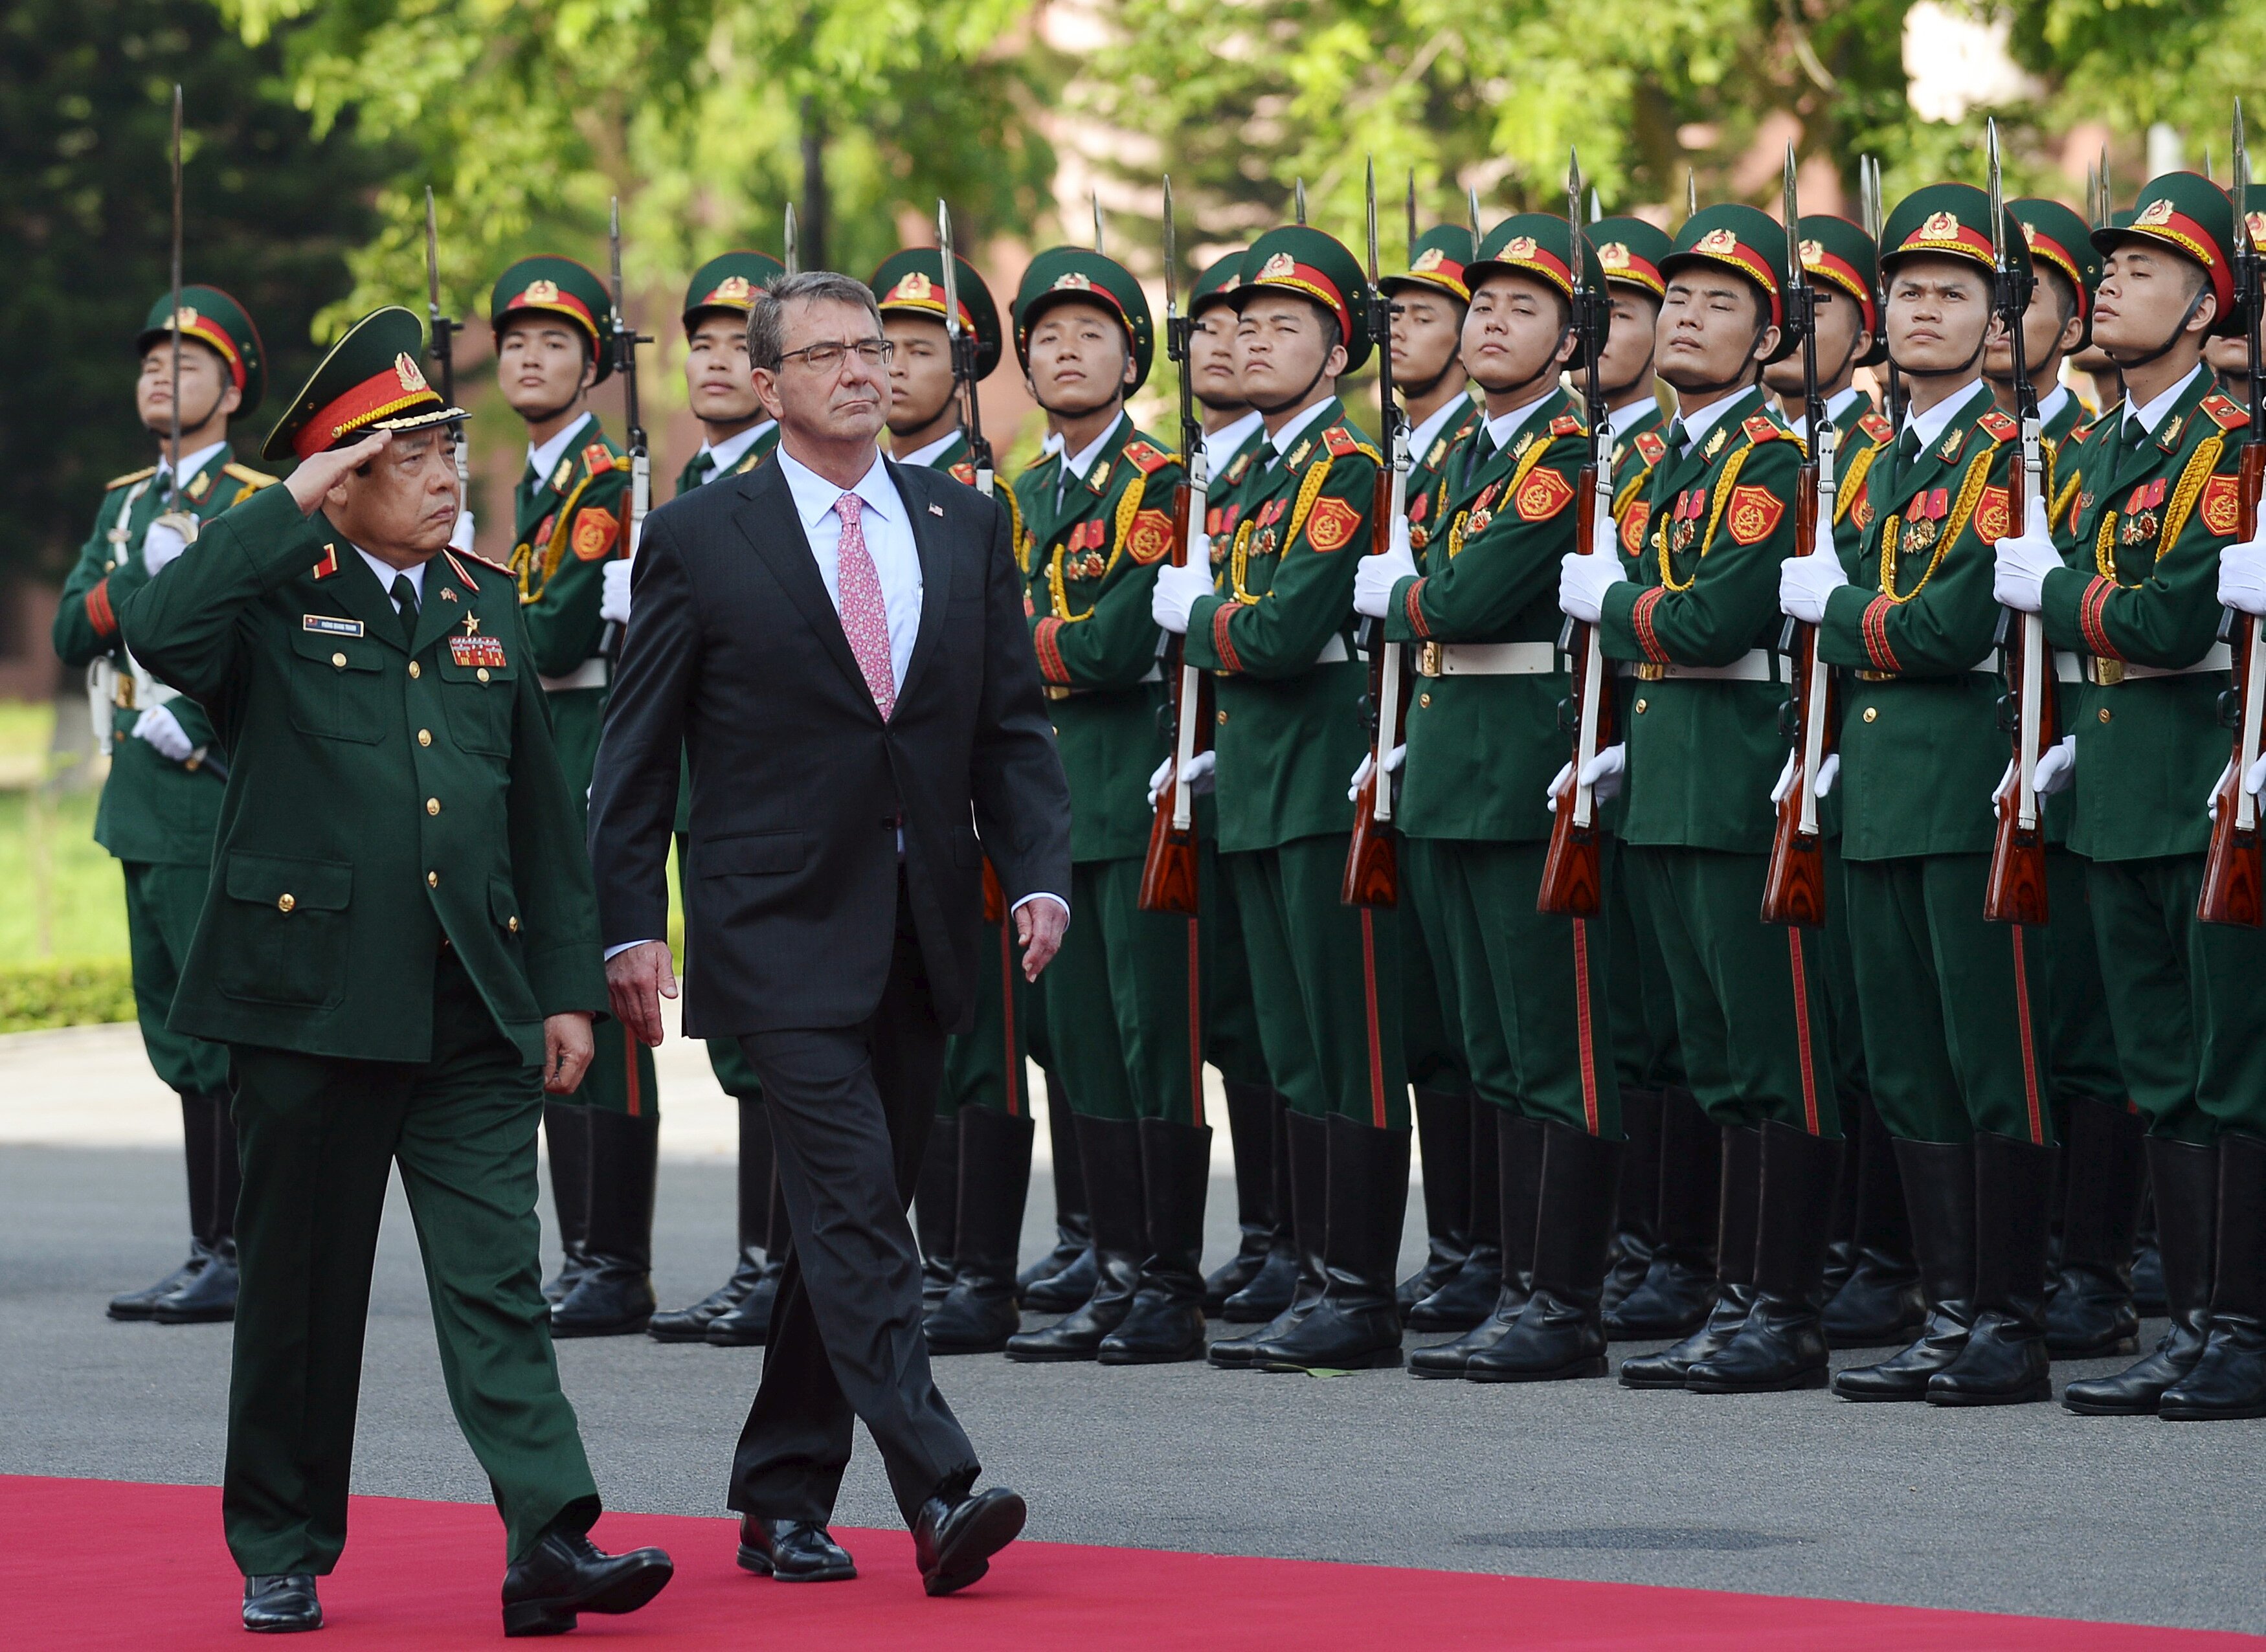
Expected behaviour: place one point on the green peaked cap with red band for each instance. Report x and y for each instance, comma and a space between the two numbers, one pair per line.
1436, 263
1948, 221
1744, 240
2190, 213
1841, 256
911, 283
220, 325
1536, 244
729, 281
550, 285
2061, 240
371, 380
1216, 285
1630, 251
1300, 260
1063, 273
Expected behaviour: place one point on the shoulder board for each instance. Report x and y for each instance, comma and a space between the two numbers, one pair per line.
489, 563
1998, 427
1761, 428
1566, 425
1340, 441
1469, 425
2224, 411
252, 480
1876, 425
1144, 457
963, 471
597, 458
1652, 445
130, 477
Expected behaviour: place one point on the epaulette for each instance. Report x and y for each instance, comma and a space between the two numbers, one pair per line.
1341, 441
252, 480
1566, 425
1876, 425
597, 458
489, 563
963, 471
2225, 411
1761, 428
129, 478
1652, 445
1146, 459
1998, 427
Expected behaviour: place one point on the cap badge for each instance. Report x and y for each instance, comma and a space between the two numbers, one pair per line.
2029, 235
1519, 247
1430, 259
411, 375
2258, 228
1812, 252
1074, 282
1278, 267
734, 289
1940, 226
540, 292
2157, 213
1716, 242
914, 288
185, 316
1613, 255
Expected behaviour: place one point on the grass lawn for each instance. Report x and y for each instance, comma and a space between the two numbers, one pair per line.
60, 894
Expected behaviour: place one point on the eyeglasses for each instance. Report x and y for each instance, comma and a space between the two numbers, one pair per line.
826, 358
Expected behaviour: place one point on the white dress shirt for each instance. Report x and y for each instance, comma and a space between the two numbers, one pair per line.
1076, 466
1836, 405
1629, 414
1696, 425
2151, 413
386, 572
1501, 429
1937, 420
544, 459
190, 463
1287, 437
732, 450
2050, 403
1435, 421
1221, 444
888, 529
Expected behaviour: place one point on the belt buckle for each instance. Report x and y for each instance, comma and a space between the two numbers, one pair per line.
1429, 659
122, 696
2108, 673
1651, 671
1053, 692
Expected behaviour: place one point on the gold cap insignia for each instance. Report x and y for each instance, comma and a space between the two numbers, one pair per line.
1940, 226
2029, 235
185, 317
1813, 254
2258, 228
1520, 246
1717, 241
914, 288
1613, 255
1281, 265
411, 375
2158, 212
734, 289
1430, 258
1075, 282
540, 292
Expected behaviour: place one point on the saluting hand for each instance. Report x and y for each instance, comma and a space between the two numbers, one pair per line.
567, 1047
316, 476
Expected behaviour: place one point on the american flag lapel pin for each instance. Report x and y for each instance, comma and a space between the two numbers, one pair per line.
936, 510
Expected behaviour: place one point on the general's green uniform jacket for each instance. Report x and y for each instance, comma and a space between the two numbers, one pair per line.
1481, 749
153, 809
1718, 522
2142, 537
1290, 726
1093, 564
383, 797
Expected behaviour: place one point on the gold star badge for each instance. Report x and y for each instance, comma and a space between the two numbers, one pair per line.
472, 624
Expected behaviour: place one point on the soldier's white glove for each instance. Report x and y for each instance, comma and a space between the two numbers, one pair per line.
1583, 583
1374, 577
1156, 778
2242, 574
2024, 561
1176, 593
1199, 777
1602, 774
1828, 773
1606, 538
2253, 782
1393, 762
2057, 770
161, 545
460, 537
614, 602
1805, 584
164, 732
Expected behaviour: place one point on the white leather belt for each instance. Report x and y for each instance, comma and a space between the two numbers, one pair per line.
1756, 665
1487, 659
1333, 651
591, 674
2066, 669
1059, 692
2109, 673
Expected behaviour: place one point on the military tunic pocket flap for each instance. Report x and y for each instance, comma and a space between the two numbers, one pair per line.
290, 885
337, 653
754, 853
504, 904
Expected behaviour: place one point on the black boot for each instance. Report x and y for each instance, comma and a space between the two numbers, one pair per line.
690, 1325
615, 1298
1639, 1202
1443, 1131
208, 1295
1739, 1209
1782, 1344
2149, 1298
747, 1323
978, 1314
2183, 1180
1109, 1152
1841, 1243
1680, 1287
2005, 1362
2089, 1310
1355, 1325
1278, 1282
1165, 1323
1939, 1179
1518, 1197
936, 1206
1303, 1189
1560, 1333
1879, 1304
567, 1142
1043, 1286
2229, 1380
197, 1158
1251, 1130
1469, 1297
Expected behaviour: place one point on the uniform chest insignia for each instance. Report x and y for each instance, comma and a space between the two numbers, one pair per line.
2224, 411
330, 625
1544, 494
480, 651
329, 565
2146, 496
1339, 440
1759, 428
1993, 515
2169, 437
1439, 453
596, 459
447, 594
1486, 496
1752, 513
1299, 454
199, 485
1949, 450
1564, 425
1519, 447
1476, 519
1861, 513
2220, 506
1924, 517
1877, 427
1715, 442
1332, 524
1271, 512
1633, 525
1418, 538
594, 533
1099, 478
1421, 508
1996, 426
2138, 529
1236, 470
1650, 444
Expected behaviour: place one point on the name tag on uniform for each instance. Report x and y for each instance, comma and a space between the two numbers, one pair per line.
331, 626
471, 651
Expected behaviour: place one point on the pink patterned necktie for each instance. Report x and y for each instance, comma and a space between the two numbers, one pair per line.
865, 617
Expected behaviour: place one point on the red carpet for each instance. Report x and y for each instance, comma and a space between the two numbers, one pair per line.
103, 1563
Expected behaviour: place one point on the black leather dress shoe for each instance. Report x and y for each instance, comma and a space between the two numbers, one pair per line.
566, 1573
281, 1604
138, 1305
792, 1551
955, 1537
207, 1297
748, 1322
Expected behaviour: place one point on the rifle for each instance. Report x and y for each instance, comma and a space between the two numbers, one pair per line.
1793, 889
173, 478
1869, 192
1169, 874
2016, 892
793, 258
627, 340
963, 357
2234, 878
1572, 880
444, 345
1372, 869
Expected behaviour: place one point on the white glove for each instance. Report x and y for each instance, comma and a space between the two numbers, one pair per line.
1606, 538
2057, 767
2253, 782
1164, 772
1393, 762
164, 732
160, 545
1602, 774
1805, 584
614, 603
1176, 593
1784, 784
1199, 777
2242, 574
460, 537
1828, 773
1374, 577
2024, 561
1583, 583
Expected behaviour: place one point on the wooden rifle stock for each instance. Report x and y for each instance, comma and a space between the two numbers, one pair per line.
1169, 872
2233, 877
1794, 888
994, 898
1372, 868
1573, 880
2016, 891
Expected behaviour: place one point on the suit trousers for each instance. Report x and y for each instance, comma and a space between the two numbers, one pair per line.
850, 1109
318, 1138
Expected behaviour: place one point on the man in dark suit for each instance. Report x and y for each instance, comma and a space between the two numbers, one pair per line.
838, 644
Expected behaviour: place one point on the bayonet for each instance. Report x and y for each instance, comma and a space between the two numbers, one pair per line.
1412, 215
173, 320
1100, 231
793, 258
962, 341
1298, 201
1596, 206
444, 330
1690, 193
627, 340
1472, 210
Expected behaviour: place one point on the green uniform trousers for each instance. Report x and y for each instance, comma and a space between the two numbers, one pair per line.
2187, 999
2082, 1036
1123, 1002
1843, 1014
725, 1060
319, 1138
1750, 997
1954, 1008
621, 1079
1431, 1025
984, 1066
1640, 1000
1527, 987
1324, 981
161, 904
1231, 1022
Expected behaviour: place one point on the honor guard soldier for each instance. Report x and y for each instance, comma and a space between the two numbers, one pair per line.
161, 800
1482, 739
1701, 625
1954, 1007
1326, 978
2135, 593
397, 973
736, 437
553, 343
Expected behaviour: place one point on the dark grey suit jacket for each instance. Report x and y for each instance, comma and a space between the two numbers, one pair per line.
734, 655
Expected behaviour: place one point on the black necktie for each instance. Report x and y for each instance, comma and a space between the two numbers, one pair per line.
1679, 437
704, 466
404, 601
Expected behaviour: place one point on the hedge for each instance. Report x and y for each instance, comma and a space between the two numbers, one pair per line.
81, 993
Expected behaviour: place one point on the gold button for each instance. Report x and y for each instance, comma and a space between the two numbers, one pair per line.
1424, 699
424, 736
432, 806
482, 674
284, 903
432, 880
1871, 712
1223, 717
413, 670
110, 567
512, 924
2104, 714
339, 660
1640, 708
